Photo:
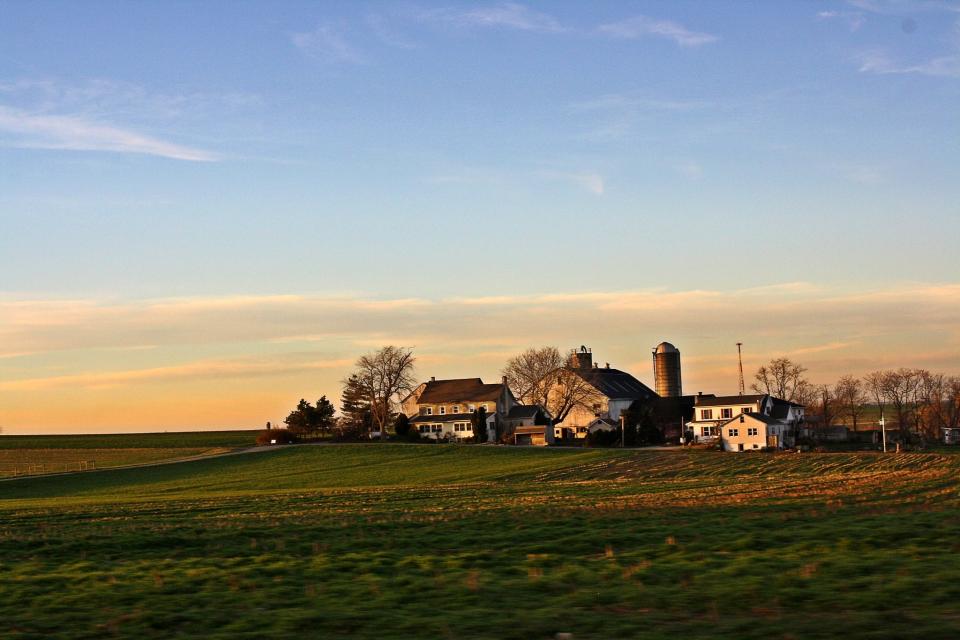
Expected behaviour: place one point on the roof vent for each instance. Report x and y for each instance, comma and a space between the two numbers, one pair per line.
433, 378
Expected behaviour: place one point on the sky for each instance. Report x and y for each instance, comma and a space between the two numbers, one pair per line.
210, 210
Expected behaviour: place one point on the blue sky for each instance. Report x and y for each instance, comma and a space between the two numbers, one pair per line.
438, 151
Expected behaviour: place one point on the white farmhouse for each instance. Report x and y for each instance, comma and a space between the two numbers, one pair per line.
711, 414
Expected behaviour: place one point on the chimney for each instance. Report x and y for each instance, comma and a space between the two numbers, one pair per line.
504, 380
608, 365
433, 378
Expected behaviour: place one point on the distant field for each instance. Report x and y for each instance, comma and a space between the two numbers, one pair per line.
21, 455
194, 439
36, 461
395, 541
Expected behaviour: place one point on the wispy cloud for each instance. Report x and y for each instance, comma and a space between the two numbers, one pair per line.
507, 15
590, 181
879, 62
45, 131
619, 114
691, 170
644, 26
206, 369
384, 29
853, 19
860, 173
327, 44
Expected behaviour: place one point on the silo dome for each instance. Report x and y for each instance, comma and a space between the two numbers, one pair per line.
666, 347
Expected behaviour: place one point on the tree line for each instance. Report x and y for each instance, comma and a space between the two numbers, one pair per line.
915, 402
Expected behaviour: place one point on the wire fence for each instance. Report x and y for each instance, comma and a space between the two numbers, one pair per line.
14, 469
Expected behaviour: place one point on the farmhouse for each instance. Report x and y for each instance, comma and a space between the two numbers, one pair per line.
749, 431
446, 409
716, 416
608, 392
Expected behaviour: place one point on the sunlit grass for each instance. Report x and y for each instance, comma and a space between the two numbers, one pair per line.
376, 541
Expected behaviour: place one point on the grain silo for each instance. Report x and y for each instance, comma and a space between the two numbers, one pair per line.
666, 370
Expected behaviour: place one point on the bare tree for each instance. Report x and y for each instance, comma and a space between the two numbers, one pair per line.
851, 397
783, 378
825, 405
384, 375
900, 388
542, 376
952, 402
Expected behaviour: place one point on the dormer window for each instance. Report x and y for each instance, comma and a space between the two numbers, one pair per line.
428, 411
443, 410
471, 407
456, 408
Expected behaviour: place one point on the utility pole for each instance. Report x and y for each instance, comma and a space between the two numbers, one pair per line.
740, 360
883, 430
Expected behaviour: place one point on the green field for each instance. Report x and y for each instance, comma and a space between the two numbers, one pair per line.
421, 541
31, 455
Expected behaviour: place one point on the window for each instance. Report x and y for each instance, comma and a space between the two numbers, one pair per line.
708, 432
456, 408
741, 418
484, 406
424, 428
756, 446
471, 407
428, 411
443, 410
706, 414
436, 428
744, 410
734, 433
751, 431
726, 413
462, 426
596, 409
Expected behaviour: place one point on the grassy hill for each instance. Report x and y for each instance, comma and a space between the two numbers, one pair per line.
393, 541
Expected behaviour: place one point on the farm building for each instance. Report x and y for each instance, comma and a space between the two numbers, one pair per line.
712, 413
754, 431
446, 409
608, 393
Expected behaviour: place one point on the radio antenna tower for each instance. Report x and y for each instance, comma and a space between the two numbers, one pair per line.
740, 360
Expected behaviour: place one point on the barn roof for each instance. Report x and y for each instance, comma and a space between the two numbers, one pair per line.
615, 384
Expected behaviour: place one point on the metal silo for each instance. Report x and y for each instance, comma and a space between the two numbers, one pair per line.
666, 370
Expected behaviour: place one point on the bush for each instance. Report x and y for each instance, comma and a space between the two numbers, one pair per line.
276, 436
603, 438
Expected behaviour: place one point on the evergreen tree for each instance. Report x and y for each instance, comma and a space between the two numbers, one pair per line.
355, 407
401, 426
480, 425
322, 422
300, 419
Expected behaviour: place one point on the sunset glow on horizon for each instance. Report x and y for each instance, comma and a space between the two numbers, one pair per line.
208, 213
